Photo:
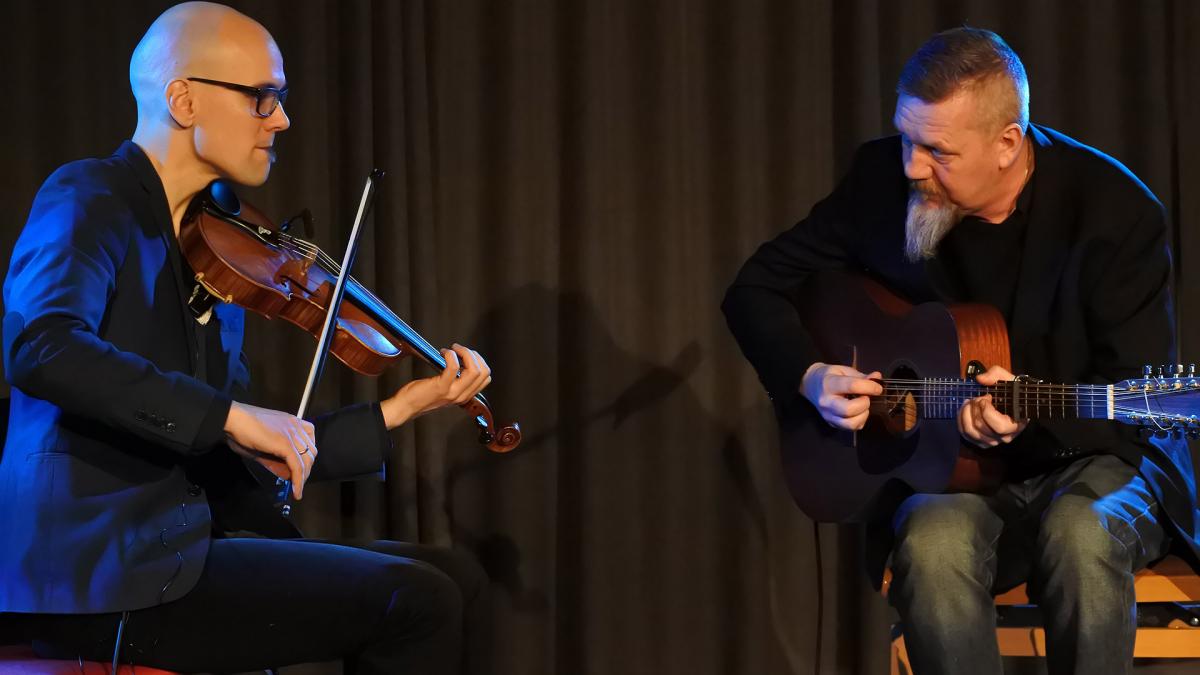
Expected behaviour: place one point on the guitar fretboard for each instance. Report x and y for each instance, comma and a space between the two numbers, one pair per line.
942, 398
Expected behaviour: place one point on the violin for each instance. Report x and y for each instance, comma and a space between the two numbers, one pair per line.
241, 257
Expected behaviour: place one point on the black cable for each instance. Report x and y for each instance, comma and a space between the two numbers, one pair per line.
820, 596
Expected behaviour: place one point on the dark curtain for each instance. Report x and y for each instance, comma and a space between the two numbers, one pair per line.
571, 185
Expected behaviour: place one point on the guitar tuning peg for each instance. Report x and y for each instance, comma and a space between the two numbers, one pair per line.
1159, 372
1146, 370
1178, 369
1191, 371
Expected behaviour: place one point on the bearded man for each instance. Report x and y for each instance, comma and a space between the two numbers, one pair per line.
972, 203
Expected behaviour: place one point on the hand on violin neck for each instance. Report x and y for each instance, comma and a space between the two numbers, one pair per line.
281, 442
465, 375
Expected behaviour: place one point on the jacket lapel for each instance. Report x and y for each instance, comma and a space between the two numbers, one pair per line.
152, 184
1045, 249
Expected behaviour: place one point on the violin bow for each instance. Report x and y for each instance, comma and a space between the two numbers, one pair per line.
283, 494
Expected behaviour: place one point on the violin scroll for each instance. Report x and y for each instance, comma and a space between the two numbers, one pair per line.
502, 439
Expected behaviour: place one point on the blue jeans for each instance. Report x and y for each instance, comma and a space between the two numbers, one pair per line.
1076, 535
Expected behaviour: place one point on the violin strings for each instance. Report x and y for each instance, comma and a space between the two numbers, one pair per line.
314, 253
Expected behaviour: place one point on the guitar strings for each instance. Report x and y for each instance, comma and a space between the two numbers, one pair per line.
941, 398
1031, 391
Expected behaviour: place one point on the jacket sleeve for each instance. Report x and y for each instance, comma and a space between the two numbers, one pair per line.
62, 276
353, 442
760, 305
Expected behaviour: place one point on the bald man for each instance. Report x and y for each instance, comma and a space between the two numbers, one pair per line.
124, 465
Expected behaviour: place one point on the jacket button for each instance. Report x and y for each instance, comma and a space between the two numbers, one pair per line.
194, 490
170, 427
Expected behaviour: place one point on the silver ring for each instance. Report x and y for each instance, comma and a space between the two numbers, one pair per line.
304, 451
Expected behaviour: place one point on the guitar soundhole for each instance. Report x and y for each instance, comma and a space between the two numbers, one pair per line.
896, 411
891, 434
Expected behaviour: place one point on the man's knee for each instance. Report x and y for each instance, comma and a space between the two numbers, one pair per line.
420, 594
464, 568
1078, 532
457, 563
940, 534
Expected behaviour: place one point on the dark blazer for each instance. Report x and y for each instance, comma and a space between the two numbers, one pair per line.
1093, 300
115, 444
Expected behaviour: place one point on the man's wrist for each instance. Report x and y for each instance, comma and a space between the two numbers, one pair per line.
235, 410
395, 412
804, 380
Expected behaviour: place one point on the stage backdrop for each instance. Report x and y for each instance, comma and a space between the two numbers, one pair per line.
570, 187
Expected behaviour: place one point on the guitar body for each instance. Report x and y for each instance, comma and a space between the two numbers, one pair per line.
840, 476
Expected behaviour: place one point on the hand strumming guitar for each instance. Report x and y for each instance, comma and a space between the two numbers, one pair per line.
840, 393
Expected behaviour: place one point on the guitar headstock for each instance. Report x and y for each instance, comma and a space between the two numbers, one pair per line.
1163, 399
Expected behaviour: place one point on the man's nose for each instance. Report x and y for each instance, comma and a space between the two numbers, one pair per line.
916, 164
278, 120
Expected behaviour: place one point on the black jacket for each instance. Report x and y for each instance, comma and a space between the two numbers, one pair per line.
1092, 303
112, 420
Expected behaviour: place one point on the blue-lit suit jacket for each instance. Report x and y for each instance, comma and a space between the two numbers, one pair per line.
111, 418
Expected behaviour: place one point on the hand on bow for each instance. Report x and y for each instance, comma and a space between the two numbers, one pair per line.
283, 443
465, 375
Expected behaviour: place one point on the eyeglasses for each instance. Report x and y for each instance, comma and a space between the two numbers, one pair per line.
266, 99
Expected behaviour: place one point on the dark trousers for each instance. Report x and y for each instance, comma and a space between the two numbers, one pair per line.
1076, 535
384, 607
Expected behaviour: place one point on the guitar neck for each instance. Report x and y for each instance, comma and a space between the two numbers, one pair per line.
942, 398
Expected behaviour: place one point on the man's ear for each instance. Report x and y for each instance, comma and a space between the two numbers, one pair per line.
1010, 145
180, 105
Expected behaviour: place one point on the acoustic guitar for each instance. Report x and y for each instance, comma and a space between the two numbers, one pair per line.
929, 355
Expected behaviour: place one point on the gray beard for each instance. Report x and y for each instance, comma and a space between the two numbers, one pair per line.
926, 225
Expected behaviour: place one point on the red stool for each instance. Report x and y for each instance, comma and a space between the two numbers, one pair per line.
20, 660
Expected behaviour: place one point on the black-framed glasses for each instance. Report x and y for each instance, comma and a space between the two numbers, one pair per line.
266, 99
